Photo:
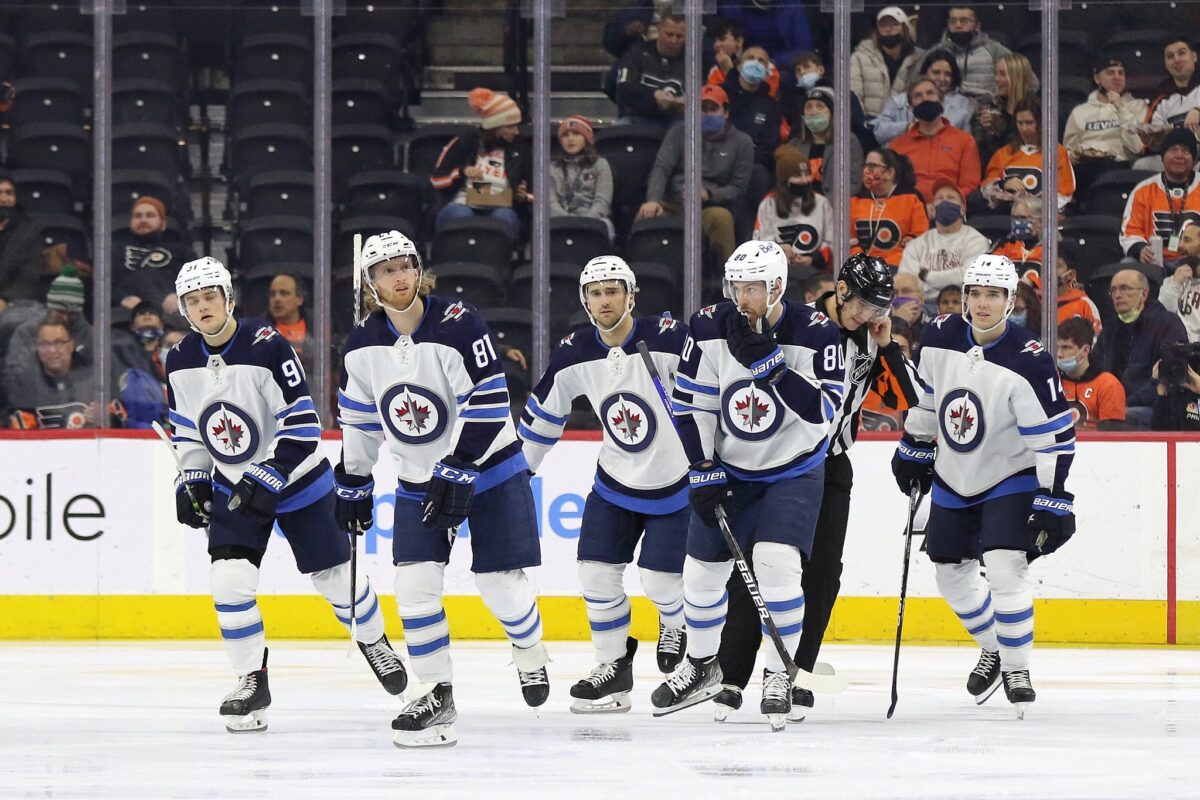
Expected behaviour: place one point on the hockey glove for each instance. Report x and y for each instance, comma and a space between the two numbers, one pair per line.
257, 493
1053, 519
913, 464
193, 498
708, 487
757, 352
354, 500
448, 498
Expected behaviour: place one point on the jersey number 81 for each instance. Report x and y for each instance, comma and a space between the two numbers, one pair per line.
484, 352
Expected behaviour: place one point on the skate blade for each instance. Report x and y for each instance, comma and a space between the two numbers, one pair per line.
987, 694
436, 736
778, 722
1020, 709
695, 700
614, 704
797, 714
722, 712
253, 722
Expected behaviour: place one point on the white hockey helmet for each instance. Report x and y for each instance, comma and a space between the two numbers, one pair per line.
991, 270
204, 273
607, 268
757, 261
382, 247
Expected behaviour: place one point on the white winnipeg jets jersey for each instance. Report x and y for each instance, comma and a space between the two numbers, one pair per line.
997, 412
758, 431
245, 403
641, 466
437, 392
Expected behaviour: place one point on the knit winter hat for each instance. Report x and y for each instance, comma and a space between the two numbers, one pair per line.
787, 163
496, 108
579, 124
154, 203
1181, 136
66, 291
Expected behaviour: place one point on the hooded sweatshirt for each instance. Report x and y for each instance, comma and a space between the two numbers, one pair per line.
1107, 127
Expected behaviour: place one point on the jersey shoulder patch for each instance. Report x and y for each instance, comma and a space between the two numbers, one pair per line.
455, 312
568, 340
818, 318
1034, 347
264, 333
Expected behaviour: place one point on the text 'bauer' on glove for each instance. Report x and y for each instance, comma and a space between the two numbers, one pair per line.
757, 352
1052, 520
708, 487
913, 464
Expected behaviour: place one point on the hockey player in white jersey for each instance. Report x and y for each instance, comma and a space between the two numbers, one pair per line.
246, 433
994, 437
759, 384
421, 377
640, 490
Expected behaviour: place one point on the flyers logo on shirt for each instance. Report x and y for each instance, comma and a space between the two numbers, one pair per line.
882, 235
802, 237
1030, 178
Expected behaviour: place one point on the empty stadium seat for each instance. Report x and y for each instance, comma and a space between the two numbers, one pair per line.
44, 191
993, 226
360, 102
386, 193
8, 54
46, 100
365, 56
60, 54
1093, 237
52, 145
130, 184
279, 193
147, 145
268, 102
360, 148
658, 240
1110, 191
482, 285
274, 239
1075, 52
577, 240
65, 229
147, 54
32, 17
266, 148
277, 16
145, 100
563, 288
659, 290
140, 17
1140, 50
481, 240
511, 326
274, 56
425, 144
630, 151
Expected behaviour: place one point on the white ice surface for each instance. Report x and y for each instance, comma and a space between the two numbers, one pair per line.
138, 720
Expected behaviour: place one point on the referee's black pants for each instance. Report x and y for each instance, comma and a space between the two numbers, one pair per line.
821, 582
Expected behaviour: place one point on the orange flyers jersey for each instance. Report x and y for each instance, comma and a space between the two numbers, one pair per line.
1150, 212
882, 226
1096, 398
1023, 259
1025, 164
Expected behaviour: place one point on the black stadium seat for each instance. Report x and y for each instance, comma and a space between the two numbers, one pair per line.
274, 56
39, 16
1110, 191
577, 240
360, 102
425, 145
386, 193
8, 54
563, 282
55, 146
66, 229
141, 17
360, 148
267, 102
265, 148
482, 285
46, 100
60, 54
658, 240
630, 151
1140, 50
365, 56
511, 326
145, 100
278, 16
658, 290
343, 242
152, 146
147, 54
992, 226
279, 193
1093, 238
271, 239
481, 240
45, 191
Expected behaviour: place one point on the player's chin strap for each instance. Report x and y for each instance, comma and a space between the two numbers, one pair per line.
413, 302
619, 322
218, 334
967, 317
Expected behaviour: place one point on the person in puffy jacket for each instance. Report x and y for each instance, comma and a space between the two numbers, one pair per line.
581, 179
882, 63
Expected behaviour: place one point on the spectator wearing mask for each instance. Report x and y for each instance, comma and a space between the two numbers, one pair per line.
1102, 132
581, 179
137, 347
729, 40
20, 249
1178, 102
1072, 300
809, 71
490, 159
783, 27
940, 67
1180, 292
1027, 309
1023, 244
815, 137
995, 114
909, 303
753, 110
938, 150
1132, 344
794, 215
887, 213
650, 77
938, 256
1159, 206
64, 306
727, 156
52, 391
973, 50
1096, 397
882, 62
146, 258
1016, 169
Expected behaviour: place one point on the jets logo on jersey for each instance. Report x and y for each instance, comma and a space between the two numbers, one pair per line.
1034, 346
413, 414
860, 367
940, 320
568, 340
749, 411
629, 420
229, 433
818, 318
666, 324
264, 334
962, 423
707, 311
454, 312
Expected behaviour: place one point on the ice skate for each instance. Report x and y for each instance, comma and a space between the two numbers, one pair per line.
606, 690
386, 665
1019, 690
672, 646
428, 721
776, 698
984, 680
727, 701
245, 708
695, 681
802, 701
531, 671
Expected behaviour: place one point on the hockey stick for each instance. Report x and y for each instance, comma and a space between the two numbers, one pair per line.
357, 278
825, 682
206, 511
914, 500
354, 534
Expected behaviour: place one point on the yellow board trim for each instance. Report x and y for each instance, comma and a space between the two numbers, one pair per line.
858, 619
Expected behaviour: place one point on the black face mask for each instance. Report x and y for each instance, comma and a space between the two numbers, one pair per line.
961, 37
6, 212
890, 41
928, 110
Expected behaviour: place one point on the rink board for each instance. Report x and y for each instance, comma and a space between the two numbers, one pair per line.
89, 548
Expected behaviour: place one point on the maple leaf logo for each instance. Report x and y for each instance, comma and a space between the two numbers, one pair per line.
752, 410
962, 420
627, 423
414, 415
228, 432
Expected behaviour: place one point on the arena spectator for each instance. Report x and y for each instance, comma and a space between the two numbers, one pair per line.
881, 63
995, 113
64, 306
729, 40
974, 51
1023, 245
752, 108
940, 67
1027, 309
485, 172
795, 215
909, 302
949, 300
1177, 396
888, 212
146, 258
1072, 300
1102, 132
1159, 206
1132, 344
1096, 397
650, 77
581, 179
938, 256
1015, 170
20, 249
636, 22
1180, 292
137, 346
727, 156
814, 140
783, 27
817, 285
1178, 102
52, 390
285, 311
938, 150
809, 71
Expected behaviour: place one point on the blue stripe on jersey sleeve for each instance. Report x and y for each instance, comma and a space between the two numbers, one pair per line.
524, 432
181, 421
361, 426
1061, 422
300, 433
490, 385
484, 413
692, 386
354, 405
532, 407
303, 404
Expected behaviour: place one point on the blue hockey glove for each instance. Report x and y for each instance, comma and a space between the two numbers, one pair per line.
448, 498
757, 352
354, 500
193, 498
257, 493
913, 464
1053, 519
708, 487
